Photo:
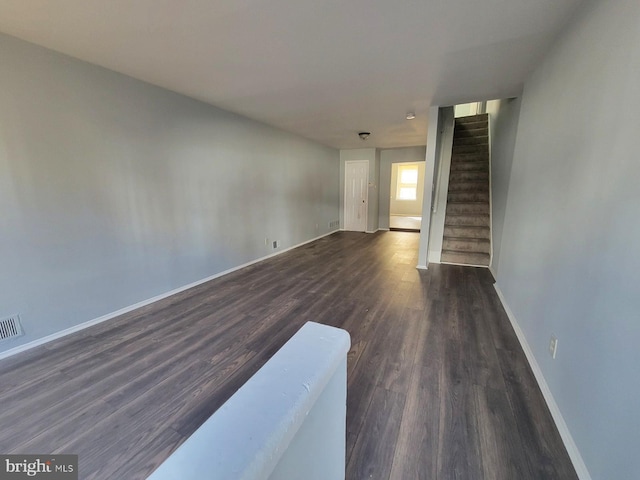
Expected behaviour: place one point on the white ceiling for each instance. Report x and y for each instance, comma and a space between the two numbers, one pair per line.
324, 69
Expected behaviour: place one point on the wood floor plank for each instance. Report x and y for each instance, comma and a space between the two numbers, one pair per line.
399, 346
360, 387
143, 463
501, 451
437, 388
547, 456
416, 452
500, 446
54, 434
374, 449
459, 452
355, 352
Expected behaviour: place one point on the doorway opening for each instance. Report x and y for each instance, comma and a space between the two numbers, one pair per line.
407, 188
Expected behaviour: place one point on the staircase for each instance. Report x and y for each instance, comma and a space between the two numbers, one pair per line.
467, 225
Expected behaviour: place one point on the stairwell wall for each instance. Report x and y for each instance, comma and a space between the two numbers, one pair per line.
569, 259
503, 127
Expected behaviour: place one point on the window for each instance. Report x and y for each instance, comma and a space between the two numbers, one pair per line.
407, 182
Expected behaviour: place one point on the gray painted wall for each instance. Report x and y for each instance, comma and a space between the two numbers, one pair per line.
503, 120
569, 261
388, 157
113, 191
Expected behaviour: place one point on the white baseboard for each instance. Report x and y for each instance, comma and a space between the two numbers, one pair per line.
422, 267
495, 275
122, 311
565, 434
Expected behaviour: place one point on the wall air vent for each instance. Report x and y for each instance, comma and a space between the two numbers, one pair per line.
10, 327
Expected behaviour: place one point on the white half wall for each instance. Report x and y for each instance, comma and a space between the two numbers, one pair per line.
113, 191
569, 259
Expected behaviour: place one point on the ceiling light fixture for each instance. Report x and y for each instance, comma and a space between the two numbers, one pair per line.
364, 135
411, 116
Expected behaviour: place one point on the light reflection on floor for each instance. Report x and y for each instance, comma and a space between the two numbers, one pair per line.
405, 222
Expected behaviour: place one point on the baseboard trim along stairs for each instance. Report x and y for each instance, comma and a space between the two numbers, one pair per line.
467, 226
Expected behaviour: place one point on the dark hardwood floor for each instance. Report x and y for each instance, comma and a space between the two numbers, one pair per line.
438, 386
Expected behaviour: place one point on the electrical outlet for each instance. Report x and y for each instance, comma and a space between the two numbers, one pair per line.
275, 244
553, 346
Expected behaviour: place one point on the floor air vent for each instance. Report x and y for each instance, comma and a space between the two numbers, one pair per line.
10, 327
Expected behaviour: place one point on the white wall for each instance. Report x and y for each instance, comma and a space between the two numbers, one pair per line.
113, 191
569, 261
503, 121
388, 157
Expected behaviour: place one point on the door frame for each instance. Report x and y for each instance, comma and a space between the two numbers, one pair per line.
366, 193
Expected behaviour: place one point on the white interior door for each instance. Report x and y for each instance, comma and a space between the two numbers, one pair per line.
356, 195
